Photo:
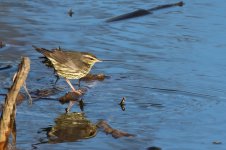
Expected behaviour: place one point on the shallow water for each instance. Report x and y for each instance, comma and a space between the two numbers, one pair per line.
170, 66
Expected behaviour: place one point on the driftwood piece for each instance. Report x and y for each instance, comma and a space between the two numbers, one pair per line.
7, 121
143, 12
114, 132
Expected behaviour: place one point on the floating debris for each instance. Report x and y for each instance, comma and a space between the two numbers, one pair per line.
70, 12
114, 132
123, 107
4, 67
44, 92
217, 142
91, 77
153, 148
123, 101
142, 12
71, 96
122, 104
2, 44
137, 13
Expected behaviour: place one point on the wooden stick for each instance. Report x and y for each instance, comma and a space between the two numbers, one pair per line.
143, 12
8, 112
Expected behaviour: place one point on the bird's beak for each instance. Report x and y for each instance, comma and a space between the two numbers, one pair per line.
98, 60
108, 60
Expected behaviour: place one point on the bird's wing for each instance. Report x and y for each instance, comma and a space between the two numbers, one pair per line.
64, 59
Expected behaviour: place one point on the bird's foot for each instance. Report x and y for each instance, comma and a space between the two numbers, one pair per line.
79, 92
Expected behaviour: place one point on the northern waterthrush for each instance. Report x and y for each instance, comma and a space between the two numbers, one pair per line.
70, 64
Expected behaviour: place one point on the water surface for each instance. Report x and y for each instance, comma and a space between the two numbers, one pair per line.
170, 67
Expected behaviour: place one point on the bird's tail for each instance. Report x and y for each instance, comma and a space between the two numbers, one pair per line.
44, 51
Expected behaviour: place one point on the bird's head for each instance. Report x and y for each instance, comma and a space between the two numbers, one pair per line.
89, 58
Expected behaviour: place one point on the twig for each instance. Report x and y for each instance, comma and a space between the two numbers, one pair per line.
26, 90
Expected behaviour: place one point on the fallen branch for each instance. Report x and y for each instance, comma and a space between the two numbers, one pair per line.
7, 121
142, 12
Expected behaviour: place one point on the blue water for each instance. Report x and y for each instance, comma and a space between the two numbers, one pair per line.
170, 66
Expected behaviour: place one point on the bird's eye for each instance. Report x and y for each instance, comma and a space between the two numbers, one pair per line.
89, 57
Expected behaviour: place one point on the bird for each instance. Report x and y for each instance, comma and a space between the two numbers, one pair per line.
70, 64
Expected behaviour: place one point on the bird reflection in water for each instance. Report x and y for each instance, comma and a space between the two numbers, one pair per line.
70, 127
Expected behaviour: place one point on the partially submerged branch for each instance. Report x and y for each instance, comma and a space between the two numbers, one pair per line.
143, 12
7, 121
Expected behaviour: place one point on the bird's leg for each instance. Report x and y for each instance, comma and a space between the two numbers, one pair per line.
79, 92
57, 78
71, 103
79, 81
72, 87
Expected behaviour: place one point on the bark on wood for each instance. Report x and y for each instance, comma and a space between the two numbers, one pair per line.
7, 121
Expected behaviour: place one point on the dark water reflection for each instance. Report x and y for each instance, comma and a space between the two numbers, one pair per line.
70, 128
171, 69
